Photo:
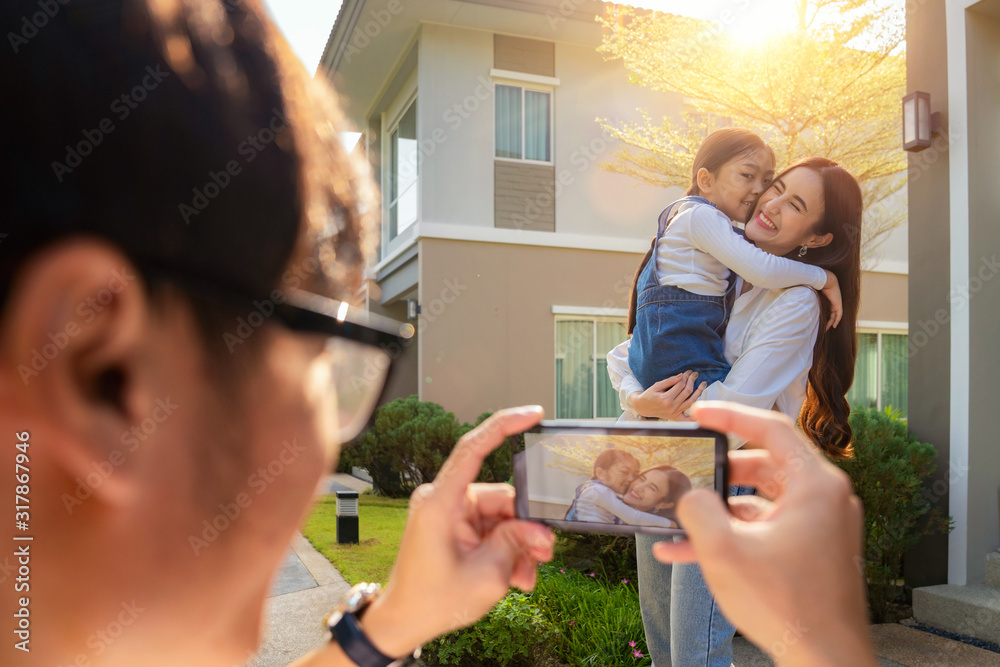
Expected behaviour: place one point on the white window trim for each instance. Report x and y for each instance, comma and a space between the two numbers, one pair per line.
410, 99
587, 311
594, 319
526, 86
521, 78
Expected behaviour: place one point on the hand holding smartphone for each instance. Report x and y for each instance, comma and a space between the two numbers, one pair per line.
596, 476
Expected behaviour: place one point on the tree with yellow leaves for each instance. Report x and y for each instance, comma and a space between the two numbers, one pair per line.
831, 86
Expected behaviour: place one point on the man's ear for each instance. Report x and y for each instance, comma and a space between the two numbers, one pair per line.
71, 335
705, 179
820, 241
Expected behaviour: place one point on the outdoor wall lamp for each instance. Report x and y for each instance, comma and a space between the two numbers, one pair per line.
918, 121
412, 309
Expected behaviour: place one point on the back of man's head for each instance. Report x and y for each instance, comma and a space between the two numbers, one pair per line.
182, 132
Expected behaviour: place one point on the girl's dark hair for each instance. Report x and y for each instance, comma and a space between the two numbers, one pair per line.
677, 485
824, 416
718, 148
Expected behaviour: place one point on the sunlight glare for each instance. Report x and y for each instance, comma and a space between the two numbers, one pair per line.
746, 21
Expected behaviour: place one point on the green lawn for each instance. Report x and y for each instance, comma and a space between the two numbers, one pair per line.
380, 527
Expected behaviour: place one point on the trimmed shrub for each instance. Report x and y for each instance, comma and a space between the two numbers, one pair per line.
889, 470
513, 634
406, 445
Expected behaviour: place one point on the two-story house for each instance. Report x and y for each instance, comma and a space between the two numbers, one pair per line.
498, 223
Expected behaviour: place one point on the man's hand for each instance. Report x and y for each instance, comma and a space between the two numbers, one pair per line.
787, 572
462, 548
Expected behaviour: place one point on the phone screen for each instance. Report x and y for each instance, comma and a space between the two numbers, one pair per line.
602, 477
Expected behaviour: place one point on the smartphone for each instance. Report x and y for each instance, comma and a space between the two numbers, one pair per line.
621, 478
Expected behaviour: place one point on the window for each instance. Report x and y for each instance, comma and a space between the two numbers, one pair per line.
583, 389
523, 123
880, 374
403, 161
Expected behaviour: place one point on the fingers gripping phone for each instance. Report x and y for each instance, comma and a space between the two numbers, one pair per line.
601, 477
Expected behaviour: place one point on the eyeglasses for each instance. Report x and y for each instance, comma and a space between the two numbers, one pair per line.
363, 345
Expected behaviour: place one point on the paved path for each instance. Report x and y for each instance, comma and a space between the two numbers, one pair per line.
304, 592
308, 587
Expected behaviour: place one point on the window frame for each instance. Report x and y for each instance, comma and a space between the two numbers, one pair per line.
389, 173
594, 320
880, 330
537, 88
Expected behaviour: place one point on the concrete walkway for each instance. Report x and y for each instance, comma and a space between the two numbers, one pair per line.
304, 592
308, 587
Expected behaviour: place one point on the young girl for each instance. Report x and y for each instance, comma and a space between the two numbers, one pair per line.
598, 499
682, 298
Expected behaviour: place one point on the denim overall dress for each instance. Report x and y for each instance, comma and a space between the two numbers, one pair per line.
677, 330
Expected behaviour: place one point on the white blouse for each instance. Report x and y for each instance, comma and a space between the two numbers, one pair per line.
699, 248
769, 343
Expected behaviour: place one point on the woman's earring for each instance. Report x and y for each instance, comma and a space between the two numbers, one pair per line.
803, 250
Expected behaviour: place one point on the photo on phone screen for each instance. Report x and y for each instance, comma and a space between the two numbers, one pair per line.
616, 479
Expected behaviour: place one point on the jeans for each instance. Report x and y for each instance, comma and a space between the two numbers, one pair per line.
684, 625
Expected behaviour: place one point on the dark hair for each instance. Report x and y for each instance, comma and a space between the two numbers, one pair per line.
186, 134
610, 457
677, 485
719, 147
824, 416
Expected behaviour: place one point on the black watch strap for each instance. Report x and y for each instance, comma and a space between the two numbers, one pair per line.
356, 645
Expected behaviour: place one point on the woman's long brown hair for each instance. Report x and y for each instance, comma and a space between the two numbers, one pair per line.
824, 415
718, 148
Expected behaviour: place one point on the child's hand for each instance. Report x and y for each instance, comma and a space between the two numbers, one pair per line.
832, 292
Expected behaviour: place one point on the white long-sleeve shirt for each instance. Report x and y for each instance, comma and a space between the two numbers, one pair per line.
769, 343
699, 248
600, 504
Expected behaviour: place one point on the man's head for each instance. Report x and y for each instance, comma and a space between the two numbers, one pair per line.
172, 174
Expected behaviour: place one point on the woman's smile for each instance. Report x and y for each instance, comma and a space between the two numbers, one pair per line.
766, 222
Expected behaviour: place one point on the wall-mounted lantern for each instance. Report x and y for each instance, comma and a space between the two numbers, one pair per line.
918, 121
412, 309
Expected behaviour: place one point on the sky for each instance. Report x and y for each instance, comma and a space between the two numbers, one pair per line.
307, 23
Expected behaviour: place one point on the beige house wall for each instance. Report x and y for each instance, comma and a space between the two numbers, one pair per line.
883, 297
487, 328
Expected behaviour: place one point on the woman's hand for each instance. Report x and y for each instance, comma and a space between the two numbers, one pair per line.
832, 292
768, 562
668, 399
462, 548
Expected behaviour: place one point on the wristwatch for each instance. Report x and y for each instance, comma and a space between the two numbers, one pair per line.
346, 631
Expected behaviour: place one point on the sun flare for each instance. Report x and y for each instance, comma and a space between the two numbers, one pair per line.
748, 22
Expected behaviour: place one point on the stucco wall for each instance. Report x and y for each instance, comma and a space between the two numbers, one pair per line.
488, 332
456, 121
984, 288
883, 297
929, 393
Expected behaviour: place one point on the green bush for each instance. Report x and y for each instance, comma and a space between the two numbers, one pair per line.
513, 634
572, 618
599, 622
612, 557
408, 442
889, 470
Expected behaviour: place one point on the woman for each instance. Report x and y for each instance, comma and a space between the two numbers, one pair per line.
657, 490
781, 358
